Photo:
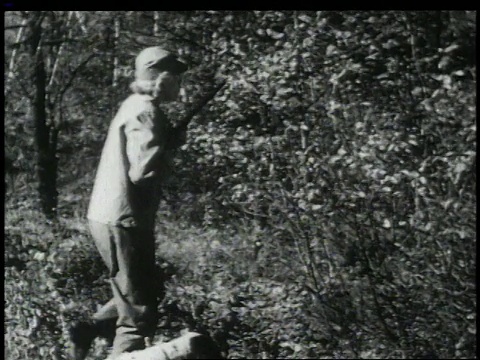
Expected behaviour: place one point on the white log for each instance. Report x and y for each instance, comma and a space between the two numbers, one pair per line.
191, 345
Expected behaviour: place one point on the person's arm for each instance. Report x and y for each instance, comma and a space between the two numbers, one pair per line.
176, 137
144, 146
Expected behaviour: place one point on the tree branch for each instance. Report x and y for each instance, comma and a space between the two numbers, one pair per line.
20, 83
175, 37
199, 106
59, 53
81, 21
14, 51
13, 27
61, 93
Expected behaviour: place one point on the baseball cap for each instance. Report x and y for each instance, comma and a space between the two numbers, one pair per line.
153, 60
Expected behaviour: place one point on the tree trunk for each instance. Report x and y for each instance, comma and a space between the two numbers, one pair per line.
81, 20
116, 27
156, 23
14, 51
60, 50
45, 134
114, 62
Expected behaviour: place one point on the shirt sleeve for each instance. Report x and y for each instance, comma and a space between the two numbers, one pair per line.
144, 146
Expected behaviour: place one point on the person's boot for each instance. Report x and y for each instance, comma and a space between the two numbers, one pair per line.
106, 330
82, 335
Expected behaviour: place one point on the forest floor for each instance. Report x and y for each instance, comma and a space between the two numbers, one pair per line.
220, 281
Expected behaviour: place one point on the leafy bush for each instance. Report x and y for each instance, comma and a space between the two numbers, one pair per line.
360, 179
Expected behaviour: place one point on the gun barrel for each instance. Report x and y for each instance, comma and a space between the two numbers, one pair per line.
196, 109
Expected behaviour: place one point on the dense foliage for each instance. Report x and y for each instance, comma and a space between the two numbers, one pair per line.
324, 204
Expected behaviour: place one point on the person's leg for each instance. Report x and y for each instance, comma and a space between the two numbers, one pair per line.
102, 323
134, 288
107, 311
106, 317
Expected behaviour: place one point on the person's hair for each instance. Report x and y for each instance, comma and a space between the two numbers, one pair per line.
158, 88
144, 87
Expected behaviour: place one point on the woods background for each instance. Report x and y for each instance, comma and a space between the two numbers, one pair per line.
324, 205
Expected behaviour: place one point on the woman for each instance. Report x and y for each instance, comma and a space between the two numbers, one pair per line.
134, 161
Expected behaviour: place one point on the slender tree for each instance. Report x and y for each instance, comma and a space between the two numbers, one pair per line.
45, 134
44, 83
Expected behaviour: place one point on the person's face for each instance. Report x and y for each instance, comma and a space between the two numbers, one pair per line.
167, 87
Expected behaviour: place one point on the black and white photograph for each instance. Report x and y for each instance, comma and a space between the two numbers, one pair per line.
239, 184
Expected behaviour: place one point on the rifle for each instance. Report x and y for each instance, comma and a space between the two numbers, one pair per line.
177, 132
182, 124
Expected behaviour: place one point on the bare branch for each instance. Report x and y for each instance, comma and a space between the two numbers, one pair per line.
174, 36
62, 92
156, 23
16, 45
116, 34
59, 53
61, 41
20, 83
81, 21
14, 51
13, 27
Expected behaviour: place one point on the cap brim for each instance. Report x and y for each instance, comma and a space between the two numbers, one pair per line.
171, 64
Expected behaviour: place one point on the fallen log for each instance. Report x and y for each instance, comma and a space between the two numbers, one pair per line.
191, 345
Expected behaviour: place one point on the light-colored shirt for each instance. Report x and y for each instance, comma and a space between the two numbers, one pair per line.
133, 164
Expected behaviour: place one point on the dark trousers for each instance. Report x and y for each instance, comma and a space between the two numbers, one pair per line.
129, 254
